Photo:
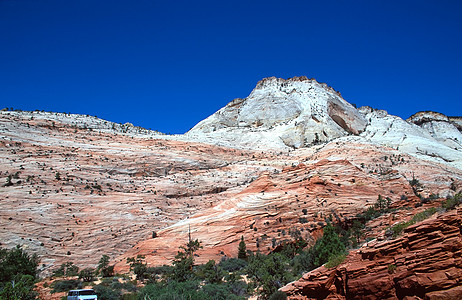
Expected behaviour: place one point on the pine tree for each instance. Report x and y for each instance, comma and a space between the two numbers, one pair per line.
242, 250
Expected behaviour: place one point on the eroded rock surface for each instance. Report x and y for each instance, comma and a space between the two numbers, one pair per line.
424, 263
280, 113
284, 160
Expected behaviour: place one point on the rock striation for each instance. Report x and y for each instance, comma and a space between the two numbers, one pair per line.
300, 112
294, 113
424, 263
286, 159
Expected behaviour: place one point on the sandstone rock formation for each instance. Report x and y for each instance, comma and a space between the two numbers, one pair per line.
285, 159
424, 263
300, 112
295, 113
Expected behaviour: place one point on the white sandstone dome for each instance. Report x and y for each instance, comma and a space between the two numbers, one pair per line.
296, 112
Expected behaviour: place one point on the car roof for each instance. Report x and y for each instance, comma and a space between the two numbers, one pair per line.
81, 290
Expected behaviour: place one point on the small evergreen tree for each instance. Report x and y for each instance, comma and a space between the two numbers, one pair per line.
104, 268
138, 266
184, 261
242, 250
327, 246
87, 275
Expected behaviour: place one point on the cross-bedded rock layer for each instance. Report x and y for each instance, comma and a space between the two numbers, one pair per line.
424, 263
77, 187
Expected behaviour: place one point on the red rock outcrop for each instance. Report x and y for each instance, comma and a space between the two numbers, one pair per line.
424, 263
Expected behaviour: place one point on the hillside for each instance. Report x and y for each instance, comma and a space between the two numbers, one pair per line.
291, 157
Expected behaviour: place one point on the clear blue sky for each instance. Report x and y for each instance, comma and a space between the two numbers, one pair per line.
166, 65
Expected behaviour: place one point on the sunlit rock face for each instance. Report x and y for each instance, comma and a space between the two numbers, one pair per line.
294, 113
440, 127
285, 159
300, 112
424, 263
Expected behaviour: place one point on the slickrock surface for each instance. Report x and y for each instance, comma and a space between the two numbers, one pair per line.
300, 112
114, 188
424, 263
271, 209
280, 113
275, 165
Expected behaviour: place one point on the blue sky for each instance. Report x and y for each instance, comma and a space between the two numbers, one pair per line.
166, 65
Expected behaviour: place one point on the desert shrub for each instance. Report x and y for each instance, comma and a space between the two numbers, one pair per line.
65, 285
242, 249
380, 207
66, 269
391, 268
303, 220
173, 290
16, 262
232, 264
397, 229
130, 296
87, 274
106, 293
211, 272
335, 260
22, 288
278, 296
19, 267
104, 268
184, 262
138, 266
219, 292
452, 202
269, 272
328, 245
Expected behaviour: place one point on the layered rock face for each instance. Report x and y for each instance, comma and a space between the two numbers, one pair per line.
80, 189
285, 160
300, 112
297, 112
424, 263
441, 128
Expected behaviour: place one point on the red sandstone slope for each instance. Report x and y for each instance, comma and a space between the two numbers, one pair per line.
299, 199
114, 189
424, 263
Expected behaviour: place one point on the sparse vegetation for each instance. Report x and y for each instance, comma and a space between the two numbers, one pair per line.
452, 202
398, 228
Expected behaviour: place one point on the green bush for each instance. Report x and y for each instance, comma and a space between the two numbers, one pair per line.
219, 292
278, 296
106, 293
16, 262
173, 290
269, 272
399, 228
211, 272
65, 285
328, 245
391, 268
232, 264
452, 202
335, 260
87, 275
23, 289
66, 269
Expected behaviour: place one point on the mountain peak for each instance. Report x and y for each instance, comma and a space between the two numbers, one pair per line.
279, 113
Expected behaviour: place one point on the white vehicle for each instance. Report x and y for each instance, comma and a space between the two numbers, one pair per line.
87, 294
